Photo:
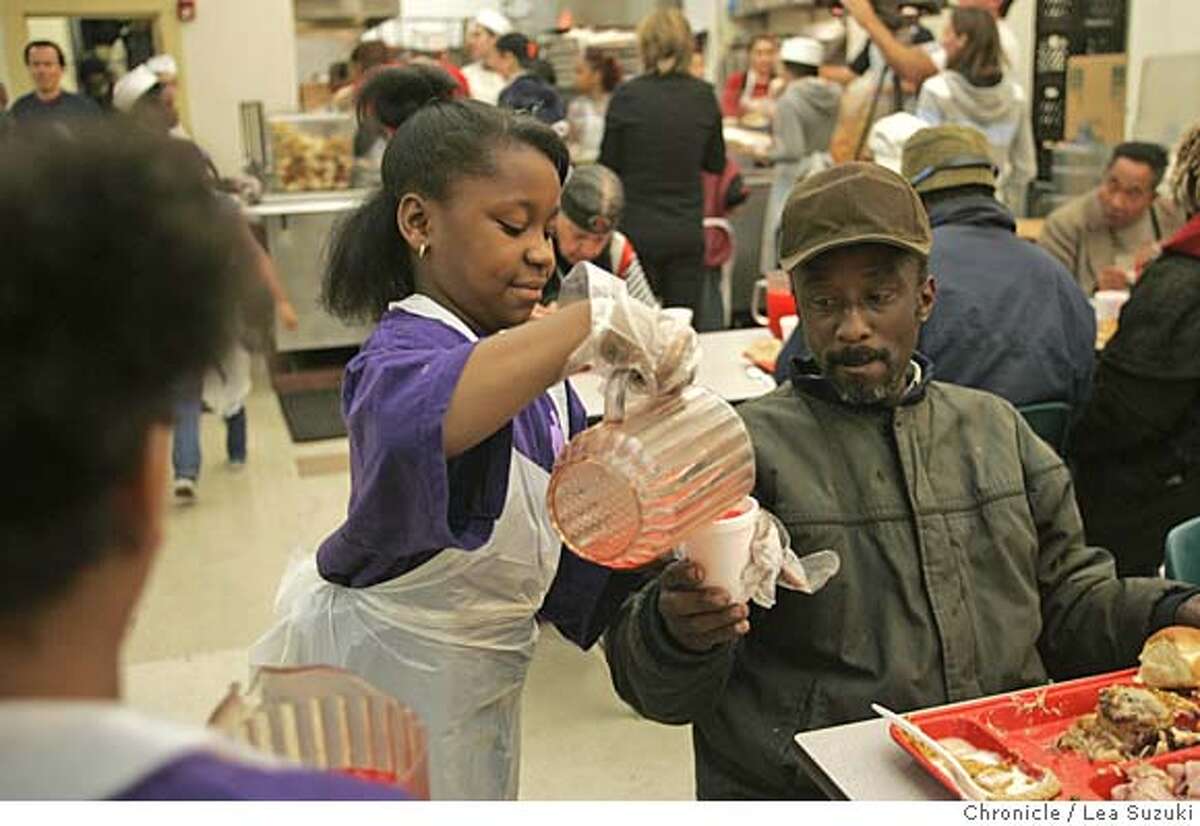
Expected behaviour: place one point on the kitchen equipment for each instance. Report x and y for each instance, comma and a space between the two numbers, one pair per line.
635, 486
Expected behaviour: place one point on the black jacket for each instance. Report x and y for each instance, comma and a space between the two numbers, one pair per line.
660, 133
1137, 448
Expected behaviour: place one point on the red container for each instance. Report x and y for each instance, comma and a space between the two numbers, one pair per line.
1025, 725
779, 301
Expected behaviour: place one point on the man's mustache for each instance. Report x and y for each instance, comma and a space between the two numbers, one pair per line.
856, 357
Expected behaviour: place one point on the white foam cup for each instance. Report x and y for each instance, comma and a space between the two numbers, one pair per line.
681, 314
1108, 303
723, 548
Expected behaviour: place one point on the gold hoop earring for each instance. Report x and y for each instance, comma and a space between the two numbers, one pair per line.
421, 250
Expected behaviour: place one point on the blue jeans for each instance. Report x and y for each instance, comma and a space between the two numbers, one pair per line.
185, 449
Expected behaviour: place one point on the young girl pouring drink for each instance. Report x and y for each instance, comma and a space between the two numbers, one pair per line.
456, 408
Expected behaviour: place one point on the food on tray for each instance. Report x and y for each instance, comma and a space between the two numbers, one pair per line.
1181, 781
305, 162
1171, 658
1131, 721
1002, 778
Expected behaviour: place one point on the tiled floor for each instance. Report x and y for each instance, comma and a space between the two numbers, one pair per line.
212, 592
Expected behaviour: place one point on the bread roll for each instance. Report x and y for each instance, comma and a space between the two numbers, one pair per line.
1171, 658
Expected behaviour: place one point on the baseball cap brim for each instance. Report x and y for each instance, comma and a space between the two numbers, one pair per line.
790, 262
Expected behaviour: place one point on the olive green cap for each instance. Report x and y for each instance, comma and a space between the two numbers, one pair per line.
945, 157
853, 203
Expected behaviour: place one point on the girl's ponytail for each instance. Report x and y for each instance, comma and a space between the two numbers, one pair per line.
368, 264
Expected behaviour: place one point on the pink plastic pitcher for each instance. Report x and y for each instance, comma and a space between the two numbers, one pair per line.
632, 488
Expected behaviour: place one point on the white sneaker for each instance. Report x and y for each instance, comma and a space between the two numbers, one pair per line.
185, 490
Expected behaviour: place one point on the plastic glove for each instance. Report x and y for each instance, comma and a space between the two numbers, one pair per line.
773, 562
660, 353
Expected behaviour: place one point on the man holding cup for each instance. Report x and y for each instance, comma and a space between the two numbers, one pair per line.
964, 570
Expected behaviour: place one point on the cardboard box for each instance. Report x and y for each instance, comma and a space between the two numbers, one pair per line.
1096, 97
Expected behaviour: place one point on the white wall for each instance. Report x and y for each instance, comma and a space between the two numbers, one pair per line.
1158, 28
237, 50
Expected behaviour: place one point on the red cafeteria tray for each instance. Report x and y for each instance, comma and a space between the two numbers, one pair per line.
1024, 725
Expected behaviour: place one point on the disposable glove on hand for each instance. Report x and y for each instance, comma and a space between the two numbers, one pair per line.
774, 563
659, 352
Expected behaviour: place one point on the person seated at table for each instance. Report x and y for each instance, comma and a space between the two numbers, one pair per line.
585, 229
1103, 235
1137, 447
1009, 318
964, 569
86, 417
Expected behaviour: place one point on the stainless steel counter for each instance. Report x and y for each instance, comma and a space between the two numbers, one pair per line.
298, 227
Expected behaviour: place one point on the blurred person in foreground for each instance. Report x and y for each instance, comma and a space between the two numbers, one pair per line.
964, 568
1104, 235
663, 129
1137, 449
87, 417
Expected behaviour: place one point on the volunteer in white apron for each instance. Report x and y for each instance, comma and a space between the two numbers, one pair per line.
432, 586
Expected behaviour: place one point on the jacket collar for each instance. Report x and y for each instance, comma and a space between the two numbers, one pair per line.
1187, 240
974, 210
808, 379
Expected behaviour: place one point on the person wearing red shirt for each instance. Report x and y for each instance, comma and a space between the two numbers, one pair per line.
750, 91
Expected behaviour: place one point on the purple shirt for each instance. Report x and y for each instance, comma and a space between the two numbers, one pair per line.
203, 776
408, 501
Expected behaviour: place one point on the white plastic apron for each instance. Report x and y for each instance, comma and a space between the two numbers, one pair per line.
452, 639
72, 750
227, 387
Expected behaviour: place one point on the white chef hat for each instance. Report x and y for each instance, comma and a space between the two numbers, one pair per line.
494, 21
888, 136
163, 64
806, 51
132, 86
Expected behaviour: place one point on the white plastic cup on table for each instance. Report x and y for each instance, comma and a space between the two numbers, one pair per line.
723, 548
788, 325
683, 315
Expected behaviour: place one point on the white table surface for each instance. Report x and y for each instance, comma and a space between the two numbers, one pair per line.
860, 761
723, 369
